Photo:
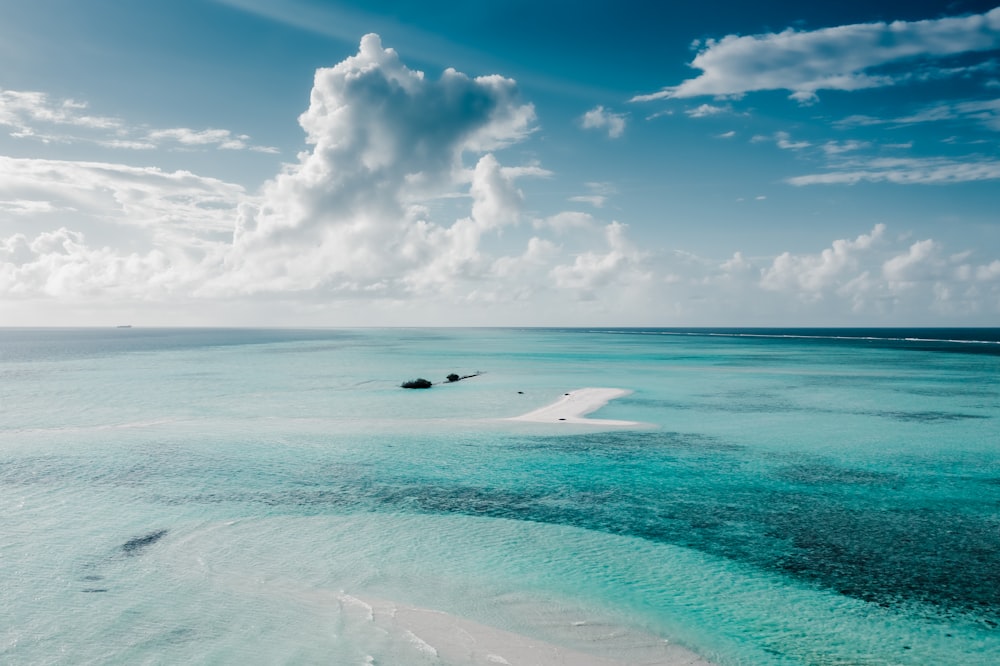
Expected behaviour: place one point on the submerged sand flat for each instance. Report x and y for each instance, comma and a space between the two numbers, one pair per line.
462, 642
575, 405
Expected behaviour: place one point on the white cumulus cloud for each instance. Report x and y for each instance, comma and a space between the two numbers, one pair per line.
592, 270
351, 215
601, 118
810, 275
177, 221
60, 264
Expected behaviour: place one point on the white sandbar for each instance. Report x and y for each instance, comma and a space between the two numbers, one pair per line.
575, 405
422, 632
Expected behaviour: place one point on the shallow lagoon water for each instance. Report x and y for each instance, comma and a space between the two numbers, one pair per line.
220, 496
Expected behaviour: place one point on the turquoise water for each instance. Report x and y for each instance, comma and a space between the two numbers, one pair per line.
214, 496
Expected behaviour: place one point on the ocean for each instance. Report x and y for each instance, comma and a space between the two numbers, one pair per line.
217, 496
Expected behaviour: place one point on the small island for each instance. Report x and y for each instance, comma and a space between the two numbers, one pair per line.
452, 378
421, 383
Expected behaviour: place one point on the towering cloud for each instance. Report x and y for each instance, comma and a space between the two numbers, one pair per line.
352, 215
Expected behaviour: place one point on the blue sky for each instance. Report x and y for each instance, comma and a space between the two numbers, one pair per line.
317, 163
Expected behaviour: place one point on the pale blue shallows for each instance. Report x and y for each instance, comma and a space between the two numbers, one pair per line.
213, 496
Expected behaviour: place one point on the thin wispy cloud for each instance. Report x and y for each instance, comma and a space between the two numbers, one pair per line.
597, 196
36, 115
781, 139
595, 200
903, 171
840, 147
785, 142
141, 197
848, 57
985, 113
706, 110
22, 110
26, 207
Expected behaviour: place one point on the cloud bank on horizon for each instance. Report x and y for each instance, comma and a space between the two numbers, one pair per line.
410, 205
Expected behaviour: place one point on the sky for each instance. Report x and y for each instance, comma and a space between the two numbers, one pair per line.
499, 163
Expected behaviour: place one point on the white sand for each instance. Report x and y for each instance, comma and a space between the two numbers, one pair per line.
458, 641
575, 405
